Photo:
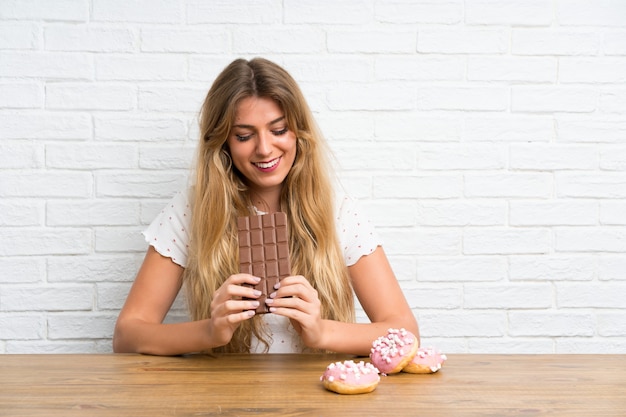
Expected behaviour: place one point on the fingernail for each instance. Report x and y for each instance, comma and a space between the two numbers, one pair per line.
273, 295
251, 313
268, 301
257, 293
272, 309
277, 286
255, 304
257, 279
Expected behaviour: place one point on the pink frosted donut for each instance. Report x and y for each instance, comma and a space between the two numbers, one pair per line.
394, 351
348, 377
426, 361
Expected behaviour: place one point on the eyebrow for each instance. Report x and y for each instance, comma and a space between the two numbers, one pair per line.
269, 124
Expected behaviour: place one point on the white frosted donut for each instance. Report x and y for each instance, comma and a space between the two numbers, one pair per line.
426, 361
394, 351
349, 377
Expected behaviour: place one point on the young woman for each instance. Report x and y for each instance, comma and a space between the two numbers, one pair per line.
260, 152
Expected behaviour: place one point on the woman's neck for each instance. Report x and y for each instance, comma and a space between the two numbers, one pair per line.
267, 202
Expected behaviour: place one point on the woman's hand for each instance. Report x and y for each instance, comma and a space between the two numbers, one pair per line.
378, 292
296, 299
228, 309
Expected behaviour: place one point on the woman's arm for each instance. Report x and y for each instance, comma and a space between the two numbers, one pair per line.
379, 293
140, 327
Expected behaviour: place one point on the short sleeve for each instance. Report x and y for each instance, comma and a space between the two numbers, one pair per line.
357, 235
168, 232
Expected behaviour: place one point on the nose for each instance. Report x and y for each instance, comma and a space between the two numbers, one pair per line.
264, 144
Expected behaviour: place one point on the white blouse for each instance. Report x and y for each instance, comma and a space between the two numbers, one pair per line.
169, 235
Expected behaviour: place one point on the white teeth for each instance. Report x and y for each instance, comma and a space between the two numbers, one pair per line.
266, 165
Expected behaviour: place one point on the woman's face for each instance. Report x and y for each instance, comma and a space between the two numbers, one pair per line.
261, 145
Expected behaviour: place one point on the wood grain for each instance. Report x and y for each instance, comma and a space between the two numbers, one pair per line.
288, 385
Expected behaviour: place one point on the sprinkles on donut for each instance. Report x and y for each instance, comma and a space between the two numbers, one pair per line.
392, 352
349, 377
427, 361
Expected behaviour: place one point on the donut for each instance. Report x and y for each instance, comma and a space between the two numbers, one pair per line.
394, 351
426, 361
349, 377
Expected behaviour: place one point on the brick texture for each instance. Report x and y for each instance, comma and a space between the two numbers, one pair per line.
486, 138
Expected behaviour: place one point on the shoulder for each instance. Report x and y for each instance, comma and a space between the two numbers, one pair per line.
356, 233
169, 231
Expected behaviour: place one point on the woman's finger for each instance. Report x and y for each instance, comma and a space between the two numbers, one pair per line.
295, 288
239, 279
232, 307
236, 306
234, 287
239, 317
241, 291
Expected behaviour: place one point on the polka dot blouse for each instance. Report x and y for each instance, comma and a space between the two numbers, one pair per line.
169, 232
169, 235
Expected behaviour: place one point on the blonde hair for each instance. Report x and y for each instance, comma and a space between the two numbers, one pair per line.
221, 196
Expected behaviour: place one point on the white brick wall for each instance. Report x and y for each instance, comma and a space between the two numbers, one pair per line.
487, 138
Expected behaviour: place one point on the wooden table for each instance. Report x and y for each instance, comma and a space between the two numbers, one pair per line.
288, 385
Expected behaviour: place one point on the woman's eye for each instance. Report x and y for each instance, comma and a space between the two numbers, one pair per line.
243, 138
280, 132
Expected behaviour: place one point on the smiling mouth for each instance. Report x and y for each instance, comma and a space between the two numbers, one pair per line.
267, 165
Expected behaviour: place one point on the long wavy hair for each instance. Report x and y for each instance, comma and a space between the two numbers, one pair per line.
221, 195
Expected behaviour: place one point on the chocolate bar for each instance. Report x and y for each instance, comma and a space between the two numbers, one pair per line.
264, 251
